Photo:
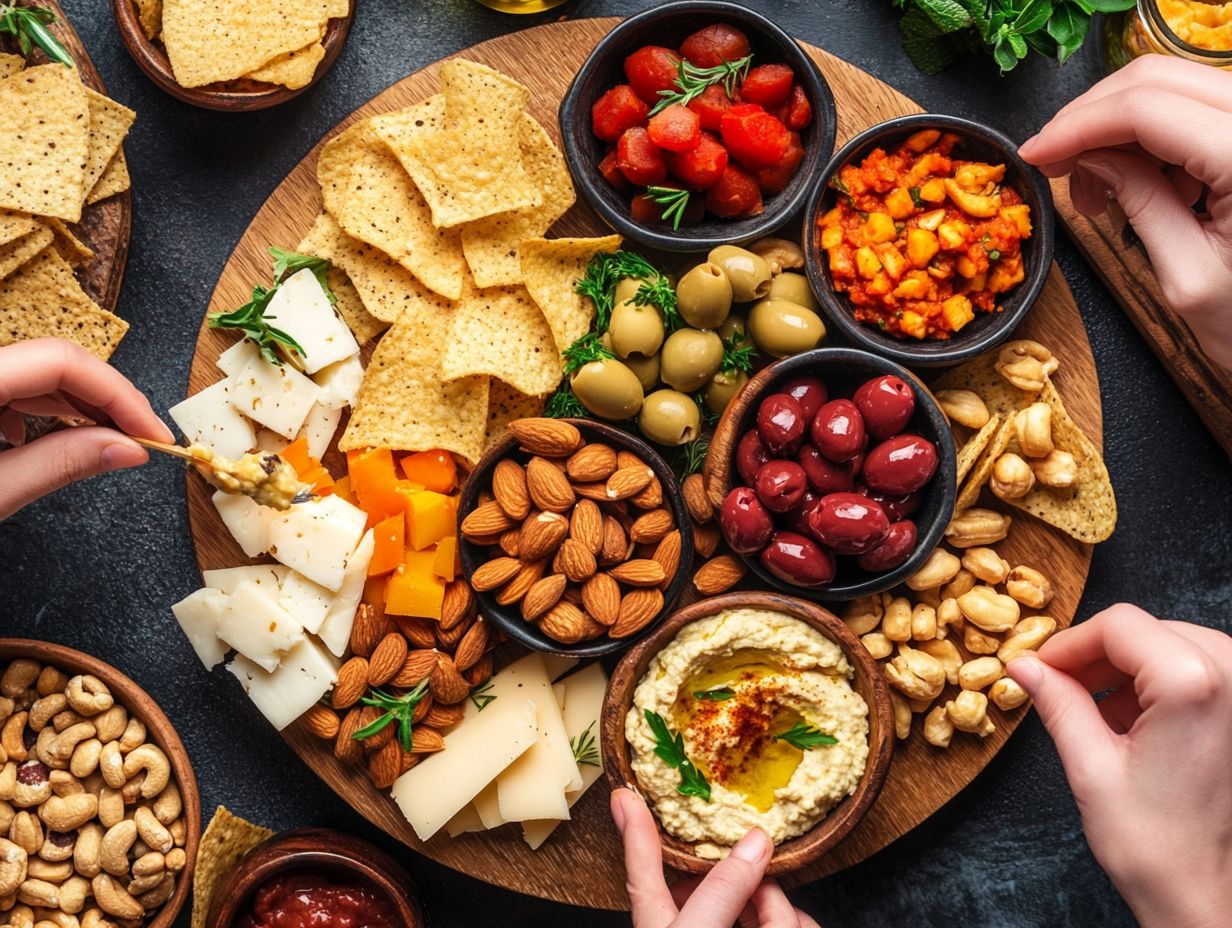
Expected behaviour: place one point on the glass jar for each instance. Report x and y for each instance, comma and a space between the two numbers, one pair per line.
1168, 27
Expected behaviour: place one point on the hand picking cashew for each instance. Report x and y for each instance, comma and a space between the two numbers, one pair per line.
1057, 469
989, 610
979, 673
864, 614
940, 568
968, 711
1029, 587
1027, 635
88, 695
946, 652
896, 624
151, 759
1006, 694
902, 715
13, 861
113, 899
64, 813
152, 830
986, 564
916, 674
938, 729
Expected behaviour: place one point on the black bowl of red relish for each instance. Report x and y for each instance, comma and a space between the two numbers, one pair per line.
706, 113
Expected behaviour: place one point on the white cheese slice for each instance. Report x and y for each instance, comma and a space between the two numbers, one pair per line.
558, 665
199, 614
335, 630
487, 807
208, 418
319, 429
270, 442
304, 676
433, 792
558, 690
274, 395
317, 538
245, 520
255, 625
226, 579
340, 382
465, 821
302, 310
232, 361
309, 602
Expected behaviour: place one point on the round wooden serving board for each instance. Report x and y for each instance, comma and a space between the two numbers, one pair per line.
581, 862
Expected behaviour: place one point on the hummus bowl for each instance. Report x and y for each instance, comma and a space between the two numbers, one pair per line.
783, 716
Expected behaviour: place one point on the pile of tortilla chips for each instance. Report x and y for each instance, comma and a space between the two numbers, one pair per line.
60, 150
227, 840
271, 41
435, 215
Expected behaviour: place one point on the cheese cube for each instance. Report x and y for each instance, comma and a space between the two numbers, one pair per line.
226, 579
340, 382
302, 310
309, 602
208, 418
199, 614
335, 631
274, 395
245, 520
319, 429
255, 625
304, 676
317, 538
233, 360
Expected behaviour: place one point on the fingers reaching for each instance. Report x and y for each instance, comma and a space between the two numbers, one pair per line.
774, 909
728, 888
56, 460
648, 893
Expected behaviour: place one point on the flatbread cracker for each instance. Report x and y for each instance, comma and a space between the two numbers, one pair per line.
226, 841
500, 332
506, 404
971, 450
17, 252
550, 271
14, 225
150, 13
10, 64
363, 325
997, 443
114, 179
44, 142
292, 70
109, 124
71, 248
43, 299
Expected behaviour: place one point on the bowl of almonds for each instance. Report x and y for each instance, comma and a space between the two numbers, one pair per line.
574, 536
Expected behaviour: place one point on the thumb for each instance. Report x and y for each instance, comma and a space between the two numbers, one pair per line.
56, 460
727, 889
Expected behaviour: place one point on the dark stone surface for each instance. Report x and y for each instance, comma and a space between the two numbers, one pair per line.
97, 566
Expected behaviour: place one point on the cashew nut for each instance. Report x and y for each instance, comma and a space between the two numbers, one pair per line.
56, 919
13, 863
67, 719
940, 568
779, 254
88, 695
1029, 587
896, 625
64, 813
947, 653
176, 859
33, 785
976, 526
93, 918
916, 674
85, 758
963, 581
19, 677
1012, 477
20, 916
143, 884
47, 871
63, 783
989, 610
973, 204
152, 831
168, 805
39, 893
65, 743
968, 711
1033, 428
133, 737
27, 832
1057, 469
977, 642
878, 645
155, 897
149, 864
902, 715
113, 899
58, 847
110, 806
986, 564
179, 832
938, 729
864, 614
11, 738
1026, 364
151, 759
131, 790
113, 850
88, 850
73, 894
7, 814
979, 673
948, 614
1027, 635
51, 680
923, 622
45, 709
965, 407
111, 763
1006, 694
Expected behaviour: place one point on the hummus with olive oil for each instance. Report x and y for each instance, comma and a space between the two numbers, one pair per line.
759, 674
266, 478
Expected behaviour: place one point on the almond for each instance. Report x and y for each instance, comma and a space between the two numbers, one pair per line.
352, 683
415, 669
628, 481
481, 673
496, 572
420, 632
387, 659
346, 748
472, 645
593, 629
549, 437
426, 741
458, 603
565, 623
637, 610
322, 721
639, 572
446, 684
444, 716
542, 596
411, 760
575, 561
706, 538
586, 525
615, 544
510, 542
627, 459
695, 499
591, 463
651, 527
422, 708
649, 498
549, 487
486, 519
718, 575
385, 765
542, 534
667, 554
523, 580
378, 740
601, 598
368, 628
448, 638
509, 488
592, 491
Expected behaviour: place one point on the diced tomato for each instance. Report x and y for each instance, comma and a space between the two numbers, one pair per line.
714, 45
647, 212
735, 196
767, 85
711, 104
700, 167
611, 171
638, 158
775, 179
675, 128
754, 137
799, 110
617, 110
650, 69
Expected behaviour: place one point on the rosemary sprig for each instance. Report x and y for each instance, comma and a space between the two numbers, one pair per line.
717, 694
586, 349
691, 81
287, 263
605, 271
690, 458
670, 749
737, 354
563, 404
480, 696
252, 321
28, 24
805, 737
585, 749
398, 711
674, 200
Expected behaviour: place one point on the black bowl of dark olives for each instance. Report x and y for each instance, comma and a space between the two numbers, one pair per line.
836, 474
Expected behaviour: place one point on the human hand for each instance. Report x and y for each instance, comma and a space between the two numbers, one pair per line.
52, 377
1156, 133
734, 892
1148, 765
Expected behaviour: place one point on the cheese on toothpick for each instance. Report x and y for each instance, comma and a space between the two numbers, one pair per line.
255, 625
317, 538
305, 674
276, 396
301, 309
199, 614
208, 418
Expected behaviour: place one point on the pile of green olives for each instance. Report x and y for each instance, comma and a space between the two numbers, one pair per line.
756, 296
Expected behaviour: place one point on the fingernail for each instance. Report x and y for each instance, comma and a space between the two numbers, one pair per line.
1102, 168
1025, 149
752, 847
618, 808
167, 436
118, 456
1027, 672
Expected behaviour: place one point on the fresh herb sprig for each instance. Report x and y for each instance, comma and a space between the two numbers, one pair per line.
692, 81
586, 349
670, 749
481, 696
805, 737
585, 749
287, 263
398, 711
609, 268
690, 458
28, 24
564, 404
716, 694
674, 200
738, 354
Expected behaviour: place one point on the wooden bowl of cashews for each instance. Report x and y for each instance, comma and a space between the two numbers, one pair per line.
100, 817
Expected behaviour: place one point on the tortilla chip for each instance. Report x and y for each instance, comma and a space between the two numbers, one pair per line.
17, 252
10, 64
374, 200
1088, 511
14, 225
44, 142
970, 452
71, 248
363, 325
294, 69
502, 333
491, 245
109, 124
981, 377
506, 404
550, 270
150, 12
406, 404
43, 299
226, 841
114, 179
997, 443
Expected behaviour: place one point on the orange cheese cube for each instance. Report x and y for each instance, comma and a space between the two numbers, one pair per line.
414, 589
390, 537
443, 565
429, 518
375, 483
432, 470
342, 488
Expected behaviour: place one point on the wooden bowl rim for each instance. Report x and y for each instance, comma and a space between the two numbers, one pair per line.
138, 702
152, 59
510, 618
868, 681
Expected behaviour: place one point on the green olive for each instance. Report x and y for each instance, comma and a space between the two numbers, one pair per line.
780, 328
645, 369
748, 273
704, 296
635, 330
690, 358
794, 288
606, 341
670, 418
626, 287
722, 388
608, 389
734, 330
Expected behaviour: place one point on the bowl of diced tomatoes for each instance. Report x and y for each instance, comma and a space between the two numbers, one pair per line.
697, 124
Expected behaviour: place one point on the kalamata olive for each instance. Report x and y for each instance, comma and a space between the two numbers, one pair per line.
895, 548
794, 288
781, 423
704, 296
797, 560
748, 273
670, 418
690, 357
722, 388
824, 475
636, 330
887, 405
745, 522
608, 389
751, 454
849, 523
810, 392
896, 507
797, 519
645, 369
781, 328
780, 485
901, 464
838, 430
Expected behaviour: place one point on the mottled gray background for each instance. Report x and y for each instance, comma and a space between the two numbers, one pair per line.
96, 566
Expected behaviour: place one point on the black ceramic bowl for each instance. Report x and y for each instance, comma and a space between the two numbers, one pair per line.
844, 370
669, 24
509, 618
987, 330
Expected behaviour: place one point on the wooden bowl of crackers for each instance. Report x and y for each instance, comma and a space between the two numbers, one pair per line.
200, 57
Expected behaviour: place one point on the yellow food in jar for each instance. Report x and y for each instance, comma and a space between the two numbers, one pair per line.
1202, 25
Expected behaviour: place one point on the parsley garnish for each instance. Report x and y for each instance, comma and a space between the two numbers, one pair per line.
670, 749
585, 750
287, 263
691, 81
564, 404
805, 737
398, 710
737, 354
28, 24
994, 255
674, 199
586, 349
717, 694
480, 696
608, 268
690, 458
